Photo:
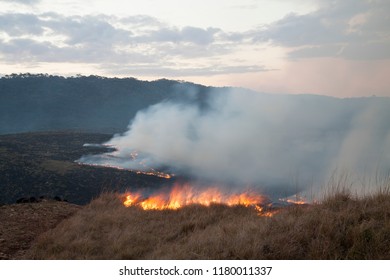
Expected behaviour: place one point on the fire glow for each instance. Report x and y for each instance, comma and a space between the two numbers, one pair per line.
152, 172
185, 195
110, 160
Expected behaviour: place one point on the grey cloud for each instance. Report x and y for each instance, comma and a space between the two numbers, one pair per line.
95, 29
21, 24
28, 50
236, 36
100, 29
86, 29
318, 51
102, 39
327, 32
369, 50
293, 30
198, 35
87, 39
22, 49
356, 51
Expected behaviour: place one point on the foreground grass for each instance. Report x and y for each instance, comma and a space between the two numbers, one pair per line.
341, 227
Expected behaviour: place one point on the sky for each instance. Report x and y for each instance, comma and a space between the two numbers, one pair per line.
330, 47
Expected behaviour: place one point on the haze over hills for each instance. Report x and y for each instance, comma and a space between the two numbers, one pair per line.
96, 104
42, 102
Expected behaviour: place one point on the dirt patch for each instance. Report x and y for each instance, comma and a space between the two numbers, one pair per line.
21, 224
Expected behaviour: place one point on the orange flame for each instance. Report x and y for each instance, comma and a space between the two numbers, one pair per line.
185, 195
295, 200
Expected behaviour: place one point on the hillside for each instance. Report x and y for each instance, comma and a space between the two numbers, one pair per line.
42, 102
96, 104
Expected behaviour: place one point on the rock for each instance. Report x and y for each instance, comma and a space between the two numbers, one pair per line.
33, 200
23, 200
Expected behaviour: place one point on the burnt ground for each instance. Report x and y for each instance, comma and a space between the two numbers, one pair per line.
21, 224
43, 164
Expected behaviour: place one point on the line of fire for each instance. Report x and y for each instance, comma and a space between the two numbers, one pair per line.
185, 193
182, 195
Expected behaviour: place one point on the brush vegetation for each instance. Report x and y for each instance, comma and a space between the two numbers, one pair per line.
340, 227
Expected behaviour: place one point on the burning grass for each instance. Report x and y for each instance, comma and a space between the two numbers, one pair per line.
185, 195
341, 227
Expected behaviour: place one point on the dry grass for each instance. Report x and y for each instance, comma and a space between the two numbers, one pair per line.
341, 227
20, 224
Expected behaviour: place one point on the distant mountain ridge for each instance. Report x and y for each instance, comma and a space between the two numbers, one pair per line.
42, 102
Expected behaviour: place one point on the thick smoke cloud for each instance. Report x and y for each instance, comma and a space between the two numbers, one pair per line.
275, 142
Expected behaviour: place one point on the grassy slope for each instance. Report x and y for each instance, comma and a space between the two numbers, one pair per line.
339, 228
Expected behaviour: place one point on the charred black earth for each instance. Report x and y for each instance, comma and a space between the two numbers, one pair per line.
43, 164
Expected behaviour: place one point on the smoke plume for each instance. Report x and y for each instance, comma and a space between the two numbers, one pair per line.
275, 142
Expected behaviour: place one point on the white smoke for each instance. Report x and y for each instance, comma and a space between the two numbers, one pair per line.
272, 141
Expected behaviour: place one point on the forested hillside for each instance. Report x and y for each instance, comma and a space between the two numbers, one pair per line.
96, 104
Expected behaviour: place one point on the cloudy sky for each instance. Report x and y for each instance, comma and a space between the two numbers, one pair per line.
332, 47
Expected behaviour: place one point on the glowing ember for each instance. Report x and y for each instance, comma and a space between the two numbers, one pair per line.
109, 160
295, 200
152, 172
185, 195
